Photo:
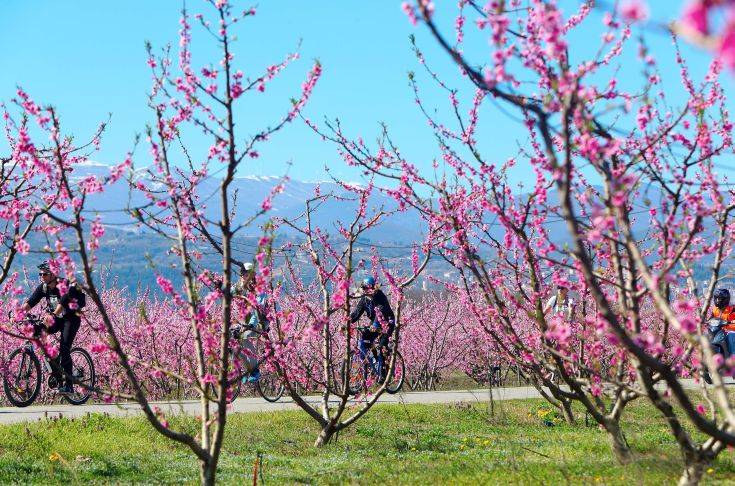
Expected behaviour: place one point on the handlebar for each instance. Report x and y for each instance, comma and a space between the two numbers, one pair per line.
238, 330
28, 318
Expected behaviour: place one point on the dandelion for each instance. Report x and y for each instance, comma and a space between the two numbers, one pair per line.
710, 471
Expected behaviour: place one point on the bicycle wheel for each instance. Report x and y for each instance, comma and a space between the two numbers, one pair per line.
235, 388
22, 377
337, 376
84, 376
356, 376
395, 383
269, 386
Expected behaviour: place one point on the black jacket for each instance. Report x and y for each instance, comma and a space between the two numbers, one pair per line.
53, 297
372, 306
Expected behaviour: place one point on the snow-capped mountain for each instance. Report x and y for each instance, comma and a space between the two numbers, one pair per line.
248, 194
126, 250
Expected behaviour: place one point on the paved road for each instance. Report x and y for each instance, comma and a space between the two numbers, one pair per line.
245, 405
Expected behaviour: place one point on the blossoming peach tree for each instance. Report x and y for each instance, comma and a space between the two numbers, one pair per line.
314, 342
34, 189
183, 99
624, 203
649, 158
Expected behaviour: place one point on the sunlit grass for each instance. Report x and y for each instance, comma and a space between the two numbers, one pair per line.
523, 443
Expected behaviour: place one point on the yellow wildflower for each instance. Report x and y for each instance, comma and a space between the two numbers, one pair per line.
54, 457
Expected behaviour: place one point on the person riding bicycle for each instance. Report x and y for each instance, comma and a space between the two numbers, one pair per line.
726, 313
374, 304
721, 328
63, 316
255, 323
560, 303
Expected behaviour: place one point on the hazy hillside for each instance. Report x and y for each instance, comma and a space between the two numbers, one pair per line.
128, 251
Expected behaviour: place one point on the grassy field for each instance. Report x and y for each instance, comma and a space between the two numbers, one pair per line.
463, 444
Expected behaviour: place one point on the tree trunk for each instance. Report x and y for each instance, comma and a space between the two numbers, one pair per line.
325, 435
693, 472
620, 446
566, 410
207, 472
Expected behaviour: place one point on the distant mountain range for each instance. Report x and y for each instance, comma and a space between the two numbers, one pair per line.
250, 191
127, 249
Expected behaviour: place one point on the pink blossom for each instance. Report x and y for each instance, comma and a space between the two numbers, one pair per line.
634, 10
727, 45
98, 230
408, 9
165, 285
22, 246
619, 199
695, 15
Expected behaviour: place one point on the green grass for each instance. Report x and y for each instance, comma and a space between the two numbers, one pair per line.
460, 381
413, 444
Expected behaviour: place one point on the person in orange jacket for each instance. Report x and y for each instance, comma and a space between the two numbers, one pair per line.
723, 310
721, 332
722, 337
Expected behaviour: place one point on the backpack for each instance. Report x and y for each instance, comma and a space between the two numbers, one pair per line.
81, 299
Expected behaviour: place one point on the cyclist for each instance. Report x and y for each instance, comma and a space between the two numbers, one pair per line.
560, 303
248, 334
726, 313
63, 316
721, 327
375, 305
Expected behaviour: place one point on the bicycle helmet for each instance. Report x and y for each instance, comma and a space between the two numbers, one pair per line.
721, 298
368, 282
44, 267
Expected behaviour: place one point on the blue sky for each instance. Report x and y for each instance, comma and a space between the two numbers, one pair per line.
87, 58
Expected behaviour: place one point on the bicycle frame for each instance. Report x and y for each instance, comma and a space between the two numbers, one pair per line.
45, 362
259, 334
371, 355
30, 345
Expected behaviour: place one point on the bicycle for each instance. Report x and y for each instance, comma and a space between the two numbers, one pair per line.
362, 369
23, 374
268, 385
